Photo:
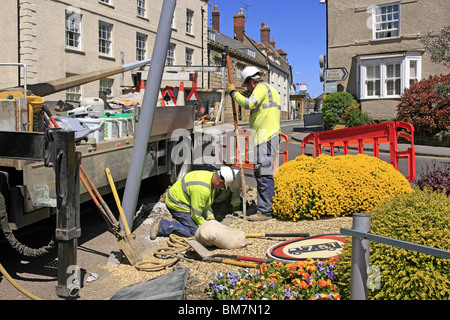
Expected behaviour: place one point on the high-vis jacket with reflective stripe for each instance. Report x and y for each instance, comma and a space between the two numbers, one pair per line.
194, 194
265, 106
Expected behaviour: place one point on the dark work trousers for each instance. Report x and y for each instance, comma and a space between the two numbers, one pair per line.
266, 154
184, 226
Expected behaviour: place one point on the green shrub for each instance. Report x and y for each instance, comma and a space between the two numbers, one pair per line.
422, 217
334, 106
359, 118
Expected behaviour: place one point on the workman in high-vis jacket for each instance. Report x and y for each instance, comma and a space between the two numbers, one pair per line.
264, 104
190, 200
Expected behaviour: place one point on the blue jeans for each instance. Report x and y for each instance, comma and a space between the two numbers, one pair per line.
266, 154
184, 226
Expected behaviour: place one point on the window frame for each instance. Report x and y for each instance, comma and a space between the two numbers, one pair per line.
108, 41
383, 61
379, 6
139, 49
189, 53
68, 30
141, 9
189, 22
170, 59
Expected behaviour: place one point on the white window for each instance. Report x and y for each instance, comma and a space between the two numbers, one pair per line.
73, 94
189, 19
141, 9
239, 69
106, 2
105, 38
171, 55
189, 56
106, 86
141, 46
386, 21
73, 30
387, 76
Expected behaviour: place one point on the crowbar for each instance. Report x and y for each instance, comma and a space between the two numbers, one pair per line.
238, 144
207, 256
275, 235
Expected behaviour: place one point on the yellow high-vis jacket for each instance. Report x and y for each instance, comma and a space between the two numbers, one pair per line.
265, 108
194, 194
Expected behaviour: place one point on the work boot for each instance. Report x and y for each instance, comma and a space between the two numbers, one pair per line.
259, 217
154, 227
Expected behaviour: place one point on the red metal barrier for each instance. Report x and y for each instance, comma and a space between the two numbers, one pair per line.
248, 156
375, 134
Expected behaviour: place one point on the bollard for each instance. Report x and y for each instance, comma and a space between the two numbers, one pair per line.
360, 258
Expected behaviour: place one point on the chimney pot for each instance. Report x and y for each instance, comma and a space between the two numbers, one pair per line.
239, 25
216, 19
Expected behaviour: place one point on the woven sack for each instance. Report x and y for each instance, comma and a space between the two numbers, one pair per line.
213, 233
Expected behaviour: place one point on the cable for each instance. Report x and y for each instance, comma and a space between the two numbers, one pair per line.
26, 251
16, 285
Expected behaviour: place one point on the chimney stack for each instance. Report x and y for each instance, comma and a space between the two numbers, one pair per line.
265, 33
216, 19
239, 25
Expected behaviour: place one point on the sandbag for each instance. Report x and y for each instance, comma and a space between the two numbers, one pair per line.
213, 233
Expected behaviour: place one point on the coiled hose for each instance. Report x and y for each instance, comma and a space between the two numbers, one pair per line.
30, 252
175, 245
22, 249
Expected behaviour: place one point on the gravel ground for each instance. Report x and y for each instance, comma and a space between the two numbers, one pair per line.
124, 275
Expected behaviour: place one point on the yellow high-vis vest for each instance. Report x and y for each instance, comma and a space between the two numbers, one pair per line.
194, 194
265, 108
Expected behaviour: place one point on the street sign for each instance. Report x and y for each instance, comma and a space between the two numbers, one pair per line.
336, 74
330, 87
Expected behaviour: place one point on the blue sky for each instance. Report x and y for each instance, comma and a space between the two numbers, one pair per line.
298, 26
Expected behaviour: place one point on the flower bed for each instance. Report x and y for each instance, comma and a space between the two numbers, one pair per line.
312, 188
302, 280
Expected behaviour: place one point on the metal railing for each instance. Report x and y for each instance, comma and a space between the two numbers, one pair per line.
361, 238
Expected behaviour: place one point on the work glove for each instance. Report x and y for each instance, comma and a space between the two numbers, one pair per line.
210, 217
231, 89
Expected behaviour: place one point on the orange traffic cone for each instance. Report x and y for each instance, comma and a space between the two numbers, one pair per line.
142, 87
180, 97
161, 102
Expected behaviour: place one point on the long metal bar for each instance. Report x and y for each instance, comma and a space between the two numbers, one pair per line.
439, 253
145, 124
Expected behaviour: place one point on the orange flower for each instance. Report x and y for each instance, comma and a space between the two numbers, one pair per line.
305, 276
323, 283
334, 288
304, 285
249, 294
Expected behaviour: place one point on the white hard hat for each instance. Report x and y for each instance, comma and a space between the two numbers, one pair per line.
231, 177
249, 72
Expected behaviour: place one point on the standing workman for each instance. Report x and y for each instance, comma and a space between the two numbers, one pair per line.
190, 200
264, 104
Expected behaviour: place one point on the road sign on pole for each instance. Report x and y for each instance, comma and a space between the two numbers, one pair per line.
336, 74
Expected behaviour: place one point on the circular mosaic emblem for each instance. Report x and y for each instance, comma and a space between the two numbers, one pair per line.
321, 247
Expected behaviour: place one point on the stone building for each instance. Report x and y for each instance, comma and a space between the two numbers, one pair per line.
56, 39
245, 51
378, 42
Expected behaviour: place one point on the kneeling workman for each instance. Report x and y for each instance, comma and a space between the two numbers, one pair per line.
189, 200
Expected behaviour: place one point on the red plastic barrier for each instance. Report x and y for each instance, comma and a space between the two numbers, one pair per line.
248, 160
375, 134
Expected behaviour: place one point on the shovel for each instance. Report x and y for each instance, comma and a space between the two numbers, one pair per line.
207, 256
126, 243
